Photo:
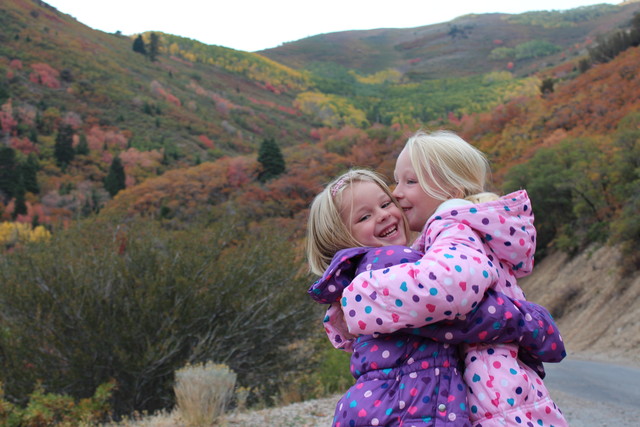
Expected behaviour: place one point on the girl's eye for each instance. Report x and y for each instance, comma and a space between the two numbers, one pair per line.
363, 218
386, 205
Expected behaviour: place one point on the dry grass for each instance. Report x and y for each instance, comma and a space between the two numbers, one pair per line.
202, 392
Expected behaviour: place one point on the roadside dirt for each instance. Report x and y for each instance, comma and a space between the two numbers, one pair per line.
597, 309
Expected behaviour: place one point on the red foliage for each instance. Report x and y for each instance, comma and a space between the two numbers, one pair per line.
289, 110
158, 89
271, 88
7, 122
206, 141
97, 139
23, 145
45, 75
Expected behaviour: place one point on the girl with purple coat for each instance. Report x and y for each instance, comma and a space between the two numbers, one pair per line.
468, 248
412, 376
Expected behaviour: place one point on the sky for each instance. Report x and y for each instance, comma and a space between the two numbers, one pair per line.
252, 25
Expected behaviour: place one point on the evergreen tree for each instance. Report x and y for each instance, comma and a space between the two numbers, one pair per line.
8, 175
63, 149
115, 180
154, 46
4, 91
138, 45
270, 157
546, 87
29, 174
83, 146
20, 206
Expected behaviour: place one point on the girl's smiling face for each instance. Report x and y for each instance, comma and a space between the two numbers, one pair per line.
417, 205
372, 216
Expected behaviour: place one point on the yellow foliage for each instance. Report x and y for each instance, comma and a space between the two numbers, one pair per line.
13, 233
384, 76
331, 110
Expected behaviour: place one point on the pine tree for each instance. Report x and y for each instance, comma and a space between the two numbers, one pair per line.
115, 180
8, 175
83, 146
138, 45
29, 174
154, 46
63, 150
20, 205
270, 157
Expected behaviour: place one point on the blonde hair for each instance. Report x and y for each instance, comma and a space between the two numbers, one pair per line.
456, 168
326, 231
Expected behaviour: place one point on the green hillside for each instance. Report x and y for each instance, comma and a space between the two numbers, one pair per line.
467, 45
229, 97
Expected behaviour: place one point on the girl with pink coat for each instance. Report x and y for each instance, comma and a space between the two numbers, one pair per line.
472, 242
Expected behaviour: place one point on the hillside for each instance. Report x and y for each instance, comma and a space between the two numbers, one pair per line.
218, 102
63, 84
595, 304
465, 46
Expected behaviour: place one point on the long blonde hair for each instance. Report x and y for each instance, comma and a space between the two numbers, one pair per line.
455, 167
326, 231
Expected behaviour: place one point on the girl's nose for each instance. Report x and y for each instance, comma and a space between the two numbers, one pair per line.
397, 193
383, 215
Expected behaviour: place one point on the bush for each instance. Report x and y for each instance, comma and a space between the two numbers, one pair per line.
134, 303
329, 373
44, 409
203, 391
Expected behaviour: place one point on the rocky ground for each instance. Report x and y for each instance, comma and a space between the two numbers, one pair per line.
318, 413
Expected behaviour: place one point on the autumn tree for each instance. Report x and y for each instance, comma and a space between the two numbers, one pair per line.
270, 157
115, 180
138, 45
63, 149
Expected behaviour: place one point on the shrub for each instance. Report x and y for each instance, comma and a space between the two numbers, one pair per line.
44, 409
203, 391
326, 373
135, 302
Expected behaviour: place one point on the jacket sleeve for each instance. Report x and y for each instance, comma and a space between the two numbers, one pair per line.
450, 280
499, 319
336, 329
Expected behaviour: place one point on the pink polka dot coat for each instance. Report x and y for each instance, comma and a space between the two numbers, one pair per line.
467, 250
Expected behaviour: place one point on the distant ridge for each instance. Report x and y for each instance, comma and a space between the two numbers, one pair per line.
458, 48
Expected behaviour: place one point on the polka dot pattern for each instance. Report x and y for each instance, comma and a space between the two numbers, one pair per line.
452, 281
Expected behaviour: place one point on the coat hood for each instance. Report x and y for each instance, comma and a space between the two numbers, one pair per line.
348, 263
505, 227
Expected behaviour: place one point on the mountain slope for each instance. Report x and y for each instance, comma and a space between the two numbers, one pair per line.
57, 62
458, 48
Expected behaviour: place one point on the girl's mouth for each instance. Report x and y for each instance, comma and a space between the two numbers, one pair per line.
389, 231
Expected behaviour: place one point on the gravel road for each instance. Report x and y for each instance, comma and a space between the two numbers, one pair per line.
591, 394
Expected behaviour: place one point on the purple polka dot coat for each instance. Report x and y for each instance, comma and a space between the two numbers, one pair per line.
467, 251
404, 379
